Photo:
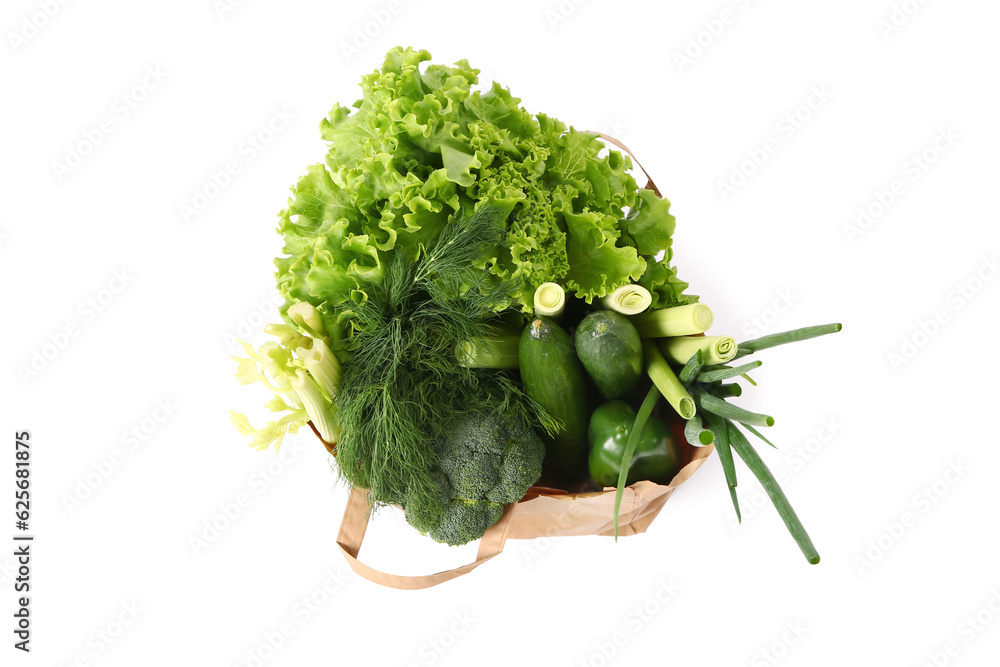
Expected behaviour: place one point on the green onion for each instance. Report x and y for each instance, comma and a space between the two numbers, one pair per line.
676, 321
727, 373
757, 433
691, 368
720, 407
718, 426
717, 349
641, 417
628, 299
805, 333
770, 484
727, 390
550, 300
696, 434
666, 381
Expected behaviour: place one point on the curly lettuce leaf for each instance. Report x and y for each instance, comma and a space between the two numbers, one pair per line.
422, 145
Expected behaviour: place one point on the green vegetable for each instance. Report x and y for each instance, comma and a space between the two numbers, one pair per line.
719, 415
421, 146
549, 300
696, 434
645, 411
726, 372
485, 461
677, 321
722, 447
300, 369
498, 350
553, 376
770, 484
717, 349
628, 300
666, 381
402, 386
656, 455
786, 337
611, 352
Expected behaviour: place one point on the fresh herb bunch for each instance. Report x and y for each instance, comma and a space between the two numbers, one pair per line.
402, 385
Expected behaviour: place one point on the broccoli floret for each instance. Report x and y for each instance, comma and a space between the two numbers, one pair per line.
486, 460
466, 520
424, 513
521, 465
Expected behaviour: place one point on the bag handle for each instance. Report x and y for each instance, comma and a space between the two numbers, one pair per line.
352, 534
650, 185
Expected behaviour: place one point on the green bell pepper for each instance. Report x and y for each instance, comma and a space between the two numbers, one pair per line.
656, 457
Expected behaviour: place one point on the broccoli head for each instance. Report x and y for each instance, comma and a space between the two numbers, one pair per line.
486, 460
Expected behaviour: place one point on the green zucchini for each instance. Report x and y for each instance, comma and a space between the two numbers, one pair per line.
611, 352
553, 376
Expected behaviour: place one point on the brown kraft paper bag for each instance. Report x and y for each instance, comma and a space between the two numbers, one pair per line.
543, 512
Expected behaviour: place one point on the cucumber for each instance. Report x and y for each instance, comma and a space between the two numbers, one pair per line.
611, 352
553, 376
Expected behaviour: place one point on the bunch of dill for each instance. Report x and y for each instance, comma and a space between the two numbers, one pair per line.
402, 385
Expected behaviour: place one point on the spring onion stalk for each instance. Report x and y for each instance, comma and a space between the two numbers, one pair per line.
757, 433
726, 390
306, 316
628, 299
696, 434
720, 407
499, 351
691, 368
770, 484
641, 417
666, 381
727, 373
805, 333
717, 349
722, 446
550, 300
320, 410
321, 364
676, 321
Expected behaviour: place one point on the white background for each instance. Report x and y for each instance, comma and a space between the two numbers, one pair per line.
910, 550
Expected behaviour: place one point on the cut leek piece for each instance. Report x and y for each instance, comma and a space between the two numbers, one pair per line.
716, 349
550, 300
628, 299
666, 381
693, 318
